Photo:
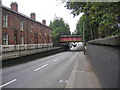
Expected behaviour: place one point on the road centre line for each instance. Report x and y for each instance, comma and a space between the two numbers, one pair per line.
8, 83
63, 81
60, 81
40, 67
55, 60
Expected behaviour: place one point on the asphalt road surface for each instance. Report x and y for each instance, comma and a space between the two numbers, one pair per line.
78, 46
49, 72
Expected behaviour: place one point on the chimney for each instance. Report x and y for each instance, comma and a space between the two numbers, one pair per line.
44, 22
0, 2
33, 16
14, 6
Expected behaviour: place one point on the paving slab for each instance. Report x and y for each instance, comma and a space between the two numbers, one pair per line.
82, 75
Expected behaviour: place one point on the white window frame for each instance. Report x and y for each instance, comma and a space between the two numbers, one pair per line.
21, 39
40, 27
5, 39
5, 20
21, 25
45, 33
31, 27
31, 40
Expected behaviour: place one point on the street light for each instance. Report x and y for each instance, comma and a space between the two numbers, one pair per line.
84, 37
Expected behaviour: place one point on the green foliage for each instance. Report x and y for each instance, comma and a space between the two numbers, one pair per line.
103, 17
82, 25
59, 27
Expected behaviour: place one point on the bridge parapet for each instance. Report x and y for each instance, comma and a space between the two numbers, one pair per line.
70, 38
104, 56
112, 41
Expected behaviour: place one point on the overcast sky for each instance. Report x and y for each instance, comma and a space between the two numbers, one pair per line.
45, 9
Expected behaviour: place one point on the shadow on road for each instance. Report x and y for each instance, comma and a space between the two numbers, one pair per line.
75, 51
28, 58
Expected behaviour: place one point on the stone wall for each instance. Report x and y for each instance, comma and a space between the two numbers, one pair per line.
30, 57
104, 56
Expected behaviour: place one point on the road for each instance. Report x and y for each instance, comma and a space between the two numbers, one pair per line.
49, 72
78, 46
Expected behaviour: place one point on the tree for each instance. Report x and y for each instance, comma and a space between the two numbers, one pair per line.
59, 27
82, 26
103, 17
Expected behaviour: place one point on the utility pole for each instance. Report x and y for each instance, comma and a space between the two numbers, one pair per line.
84, 37
0, 2
0, 41
0, 31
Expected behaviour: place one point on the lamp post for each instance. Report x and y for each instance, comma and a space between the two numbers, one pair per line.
84, 37
0, 2
0, 24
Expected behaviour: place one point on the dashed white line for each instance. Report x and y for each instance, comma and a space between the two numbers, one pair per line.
8, 83
54, 60
60, 81
40, 67
63, 81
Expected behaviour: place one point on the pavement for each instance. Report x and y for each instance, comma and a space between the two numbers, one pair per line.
82, 75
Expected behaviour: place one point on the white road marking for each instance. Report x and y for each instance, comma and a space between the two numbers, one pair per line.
54, 60
8, 83
40, 67
82, 71
63, 81
60, 81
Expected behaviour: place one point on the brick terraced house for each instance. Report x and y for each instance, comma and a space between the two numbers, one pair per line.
17, 29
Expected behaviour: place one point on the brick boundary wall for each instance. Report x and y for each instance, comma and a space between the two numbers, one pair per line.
104, 56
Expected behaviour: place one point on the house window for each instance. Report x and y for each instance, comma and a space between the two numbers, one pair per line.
21, 24
5, 39
31, 27
40, 27
45, 33
21, 39
31, 40
5, 20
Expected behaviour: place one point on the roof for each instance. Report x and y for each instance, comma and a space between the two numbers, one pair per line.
23, 15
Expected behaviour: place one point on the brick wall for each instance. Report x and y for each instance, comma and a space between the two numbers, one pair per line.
104, 55
14, 28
